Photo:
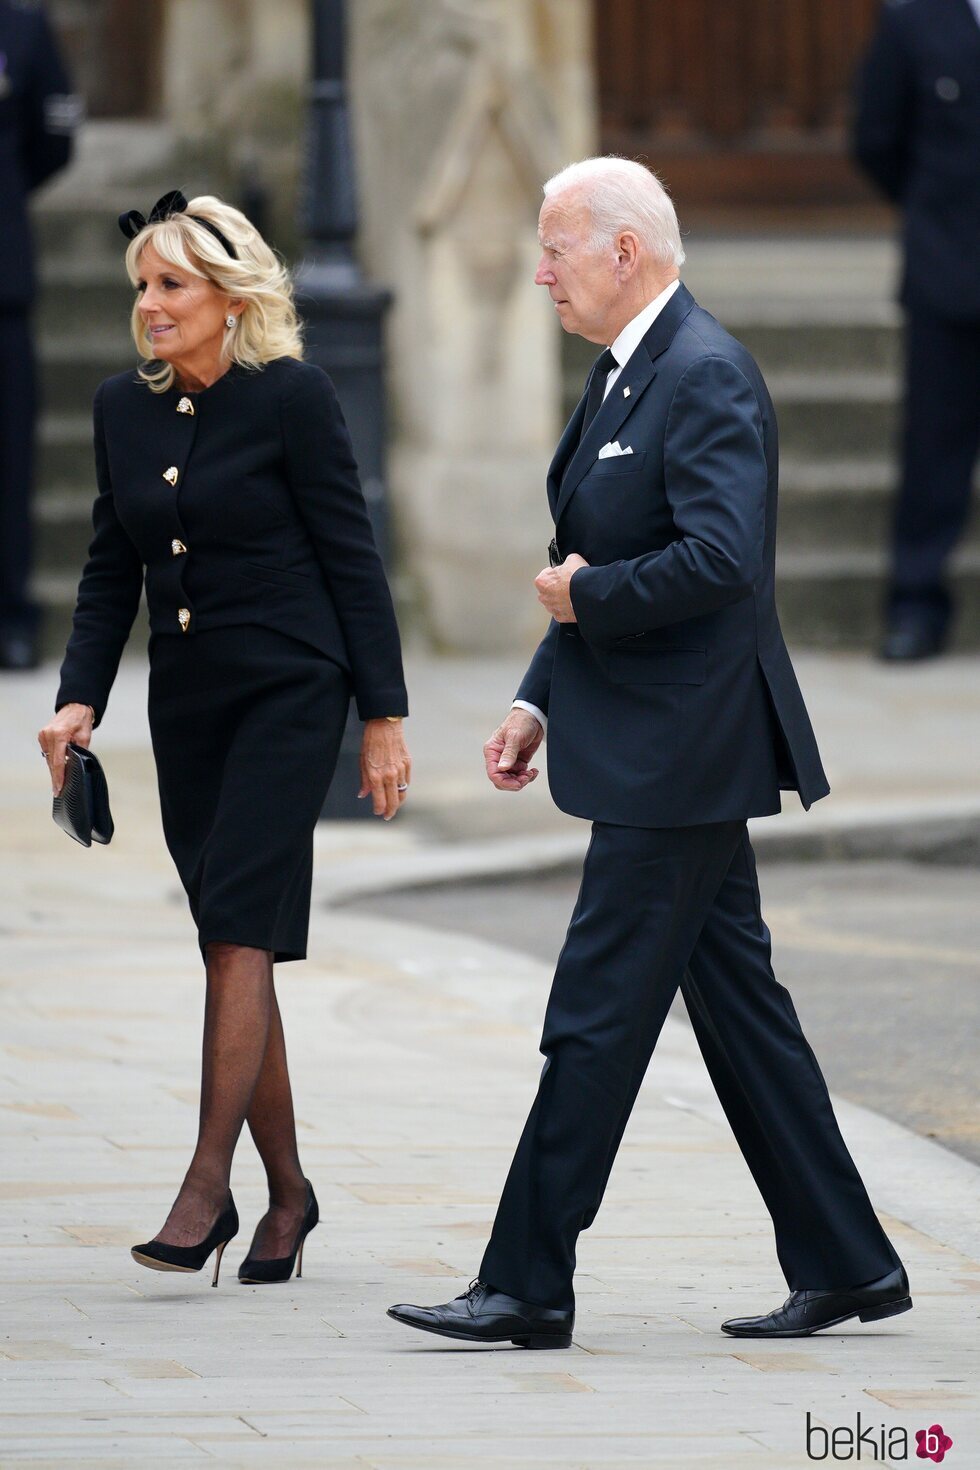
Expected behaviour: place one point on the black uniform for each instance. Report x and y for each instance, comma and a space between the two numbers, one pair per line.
268, 607
38, 116
918, 136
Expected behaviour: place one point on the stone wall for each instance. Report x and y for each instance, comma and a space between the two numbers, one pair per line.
462, 109
233, 82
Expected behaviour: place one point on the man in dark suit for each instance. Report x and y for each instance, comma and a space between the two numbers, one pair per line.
917, 134
38, 115
673, 715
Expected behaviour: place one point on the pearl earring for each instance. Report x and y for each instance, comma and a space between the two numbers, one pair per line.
229, 321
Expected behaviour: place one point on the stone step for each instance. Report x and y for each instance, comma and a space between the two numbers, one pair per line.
825, 414
835, 414
779, 343
78, 297
76, 232
57, 594
841, 346
841, 504
835, 507
825, 600
64, 449
835, 599
63, 528
71, 369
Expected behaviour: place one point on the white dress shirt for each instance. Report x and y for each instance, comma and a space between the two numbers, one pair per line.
622, 350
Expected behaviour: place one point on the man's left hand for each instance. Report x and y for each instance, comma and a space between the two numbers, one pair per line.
554, 592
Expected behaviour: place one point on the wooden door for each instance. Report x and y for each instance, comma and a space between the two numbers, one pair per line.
741, 103
112, 49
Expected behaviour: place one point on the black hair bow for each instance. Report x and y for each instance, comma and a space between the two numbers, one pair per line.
131, 222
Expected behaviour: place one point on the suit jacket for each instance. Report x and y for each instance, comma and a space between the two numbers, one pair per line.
917, 133
672, 701
38, 115
242, 502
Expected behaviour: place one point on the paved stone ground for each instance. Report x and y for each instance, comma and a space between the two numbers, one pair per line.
881, 959
413, 1055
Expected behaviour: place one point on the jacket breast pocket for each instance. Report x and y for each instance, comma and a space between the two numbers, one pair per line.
619, 464
656, 665
276, 575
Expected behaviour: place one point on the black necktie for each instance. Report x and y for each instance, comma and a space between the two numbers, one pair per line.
604, 365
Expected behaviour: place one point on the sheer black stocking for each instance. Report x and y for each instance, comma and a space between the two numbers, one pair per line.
237, 1019
273, 1128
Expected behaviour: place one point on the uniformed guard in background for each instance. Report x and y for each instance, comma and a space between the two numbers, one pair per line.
38, 117
918, 135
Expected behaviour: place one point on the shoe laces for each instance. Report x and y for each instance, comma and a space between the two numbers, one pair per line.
473, 1290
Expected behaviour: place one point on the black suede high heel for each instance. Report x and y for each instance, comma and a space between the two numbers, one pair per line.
259, 1273
161, 1257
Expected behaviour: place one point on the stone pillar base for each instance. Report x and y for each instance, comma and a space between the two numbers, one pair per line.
476, 546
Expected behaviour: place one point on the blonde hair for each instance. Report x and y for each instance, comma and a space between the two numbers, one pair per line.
267, 328
624, 195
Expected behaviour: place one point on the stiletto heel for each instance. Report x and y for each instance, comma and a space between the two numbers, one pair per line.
161, 1257
260, 1273
217, 1262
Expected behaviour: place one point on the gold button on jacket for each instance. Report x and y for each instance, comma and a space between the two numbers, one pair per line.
177, 548
184, 618
171, 475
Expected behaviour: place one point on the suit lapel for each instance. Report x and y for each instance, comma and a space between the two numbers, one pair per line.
566, 447
620, 402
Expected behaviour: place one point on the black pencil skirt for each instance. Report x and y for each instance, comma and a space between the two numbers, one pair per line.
246, 724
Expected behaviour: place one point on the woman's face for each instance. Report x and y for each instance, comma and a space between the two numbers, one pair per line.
184, 314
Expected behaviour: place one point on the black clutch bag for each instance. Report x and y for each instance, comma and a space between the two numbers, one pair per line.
82, 807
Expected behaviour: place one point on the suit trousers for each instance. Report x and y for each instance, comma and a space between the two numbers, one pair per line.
941, 441
660, 908
17, 411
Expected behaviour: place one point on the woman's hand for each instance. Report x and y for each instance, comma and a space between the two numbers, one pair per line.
386, 767
73, 722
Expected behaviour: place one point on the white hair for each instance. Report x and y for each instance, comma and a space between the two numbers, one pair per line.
623, 195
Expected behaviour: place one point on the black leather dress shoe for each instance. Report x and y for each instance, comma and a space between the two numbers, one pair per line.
483, 1314
907, 640
804, 1312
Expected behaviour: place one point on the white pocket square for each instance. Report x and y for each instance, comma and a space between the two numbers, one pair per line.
613, 448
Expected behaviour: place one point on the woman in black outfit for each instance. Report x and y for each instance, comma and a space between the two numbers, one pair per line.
226, 476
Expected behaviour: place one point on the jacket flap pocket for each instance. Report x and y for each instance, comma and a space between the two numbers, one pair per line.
641, 665
277, 575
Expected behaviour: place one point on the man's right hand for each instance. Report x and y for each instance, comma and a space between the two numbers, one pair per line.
509, 750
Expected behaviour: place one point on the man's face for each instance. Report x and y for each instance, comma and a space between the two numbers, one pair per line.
582, 282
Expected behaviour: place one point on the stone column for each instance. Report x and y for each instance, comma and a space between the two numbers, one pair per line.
234, 79
462, 109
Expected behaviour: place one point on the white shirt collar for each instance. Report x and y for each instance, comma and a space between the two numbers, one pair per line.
633, 333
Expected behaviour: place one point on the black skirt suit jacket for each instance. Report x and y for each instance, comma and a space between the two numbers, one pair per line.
242, 505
